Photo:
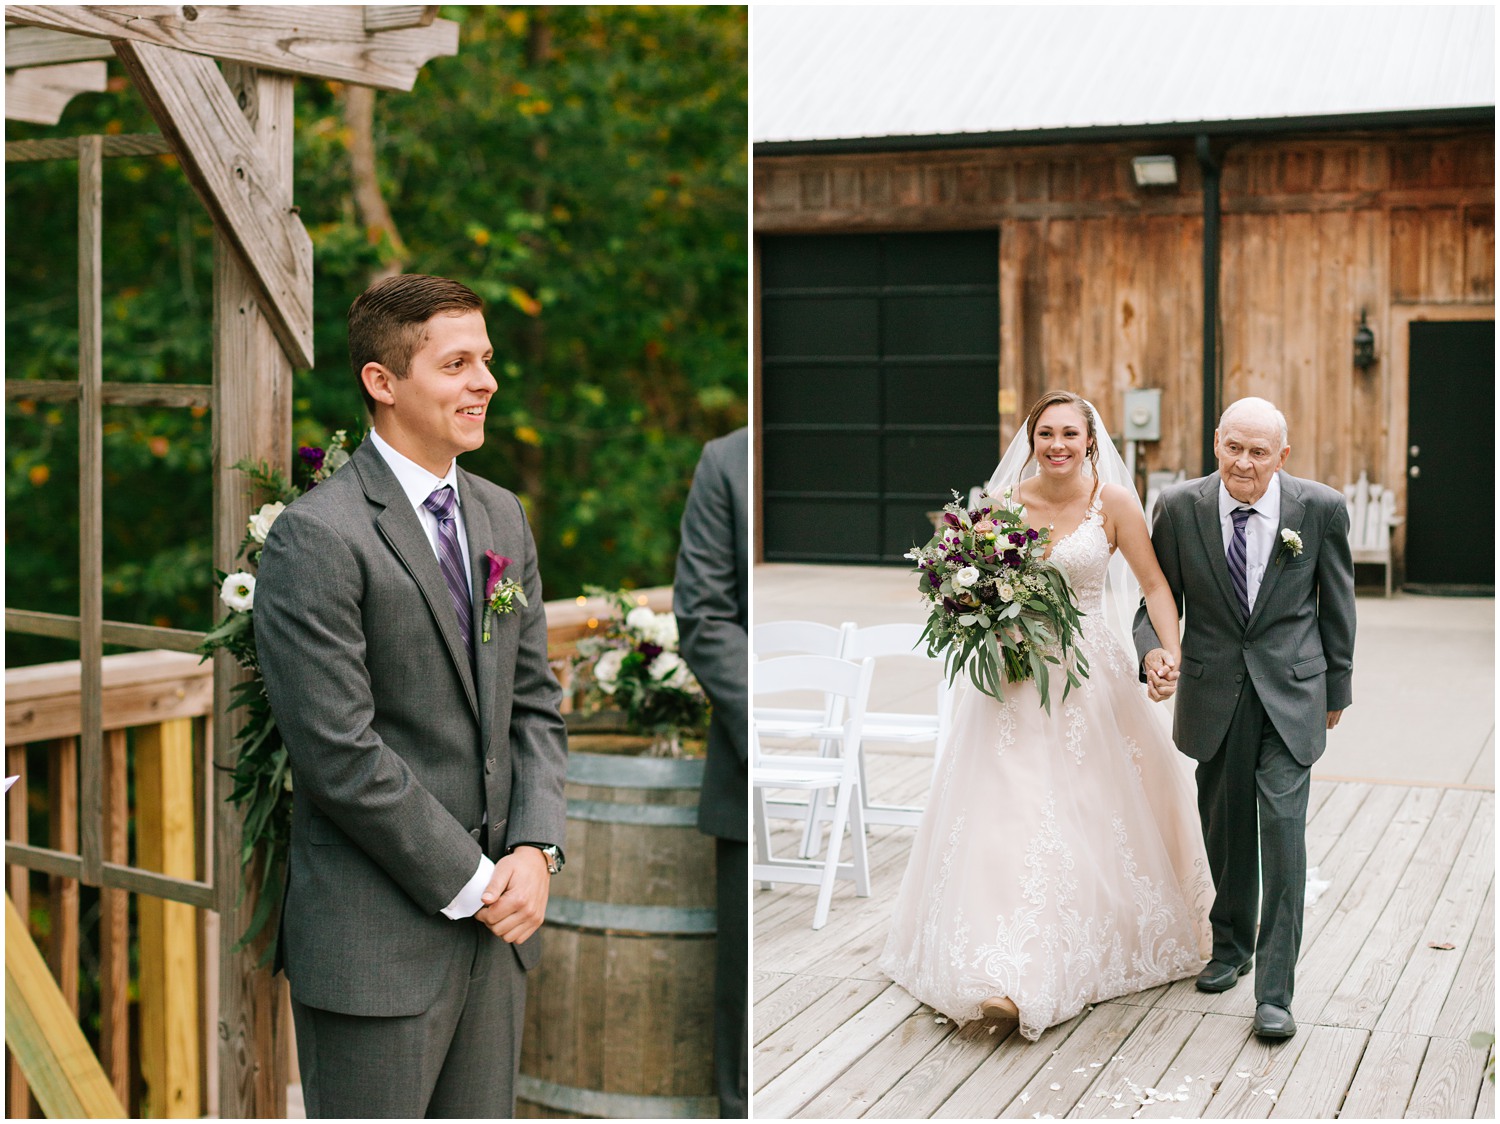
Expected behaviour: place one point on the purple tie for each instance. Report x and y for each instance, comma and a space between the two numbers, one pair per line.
1240, 515
451, 559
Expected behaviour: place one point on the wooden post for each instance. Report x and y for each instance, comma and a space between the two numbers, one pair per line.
252, 419
62, 834
114, 926
18, 885
166, 840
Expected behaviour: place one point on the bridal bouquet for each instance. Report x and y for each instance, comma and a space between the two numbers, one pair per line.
634, 664
262, 772
997, 607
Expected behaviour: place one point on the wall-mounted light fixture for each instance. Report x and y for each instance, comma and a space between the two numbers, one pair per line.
1154, 171
1364, 344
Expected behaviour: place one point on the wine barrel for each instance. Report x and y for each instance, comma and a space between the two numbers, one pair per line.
619, 1013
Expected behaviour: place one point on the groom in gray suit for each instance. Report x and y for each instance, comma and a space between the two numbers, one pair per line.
711, 600
1261, 561
422, 724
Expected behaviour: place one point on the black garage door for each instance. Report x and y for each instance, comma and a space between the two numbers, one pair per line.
880, 380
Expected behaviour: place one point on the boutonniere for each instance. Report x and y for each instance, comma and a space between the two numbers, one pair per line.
1291, 543
501, 594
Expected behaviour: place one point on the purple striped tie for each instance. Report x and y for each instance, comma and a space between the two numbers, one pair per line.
1240, 515
451, 559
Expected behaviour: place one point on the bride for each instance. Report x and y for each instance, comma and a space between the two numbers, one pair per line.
1060, 861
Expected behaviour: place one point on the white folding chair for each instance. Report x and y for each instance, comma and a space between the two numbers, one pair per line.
800, 638
883, 642
838, 773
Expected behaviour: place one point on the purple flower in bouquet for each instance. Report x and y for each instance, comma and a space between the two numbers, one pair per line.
1012, 557
311, 456
1031, 534
650, 650
951, 519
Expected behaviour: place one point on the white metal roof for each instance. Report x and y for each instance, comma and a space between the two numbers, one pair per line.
837, 71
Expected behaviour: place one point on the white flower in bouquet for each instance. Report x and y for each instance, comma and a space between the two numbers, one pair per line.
966, 577
669, 670
238, 592
607, 670
639, 620
663, 631
1006, 591
260, 522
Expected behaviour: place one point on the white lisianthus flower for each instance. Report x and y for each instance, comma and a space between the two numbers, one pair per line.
664, 666
663, 631
1006, 591
607, 670
238, 592
966, 577
639, 620
260, 522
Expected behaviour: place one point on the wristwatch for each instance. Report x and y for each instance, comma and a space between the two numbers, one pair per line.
552, 852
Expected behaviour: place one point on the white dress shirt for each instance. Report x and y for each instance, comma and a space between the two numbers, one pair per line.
418, 484
1260, 531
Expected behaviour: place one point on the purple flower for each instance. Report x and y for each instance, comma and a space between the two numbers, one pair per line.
649, 650
1031, 534
1016, 538
952, 606
498, 562
950, 519
933, 580
312, 456
1012, 557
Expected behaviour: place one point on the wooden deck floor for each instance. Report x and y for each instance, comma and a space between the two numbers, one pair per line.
1396, 972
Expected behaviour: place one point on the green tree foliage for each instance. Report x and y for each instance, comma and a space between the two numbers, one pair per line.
583, 169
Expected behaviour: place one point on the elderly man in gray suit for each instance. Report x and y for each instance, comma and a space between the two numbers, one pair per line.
1261, 560
711, 602
422, 723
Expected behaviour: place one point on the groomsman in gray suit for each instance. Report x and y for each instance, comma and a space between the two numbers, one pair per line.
711, 602
1261, 561
422, 722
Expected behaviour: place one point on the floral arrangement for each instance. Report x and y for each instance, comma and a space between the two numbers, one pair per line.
262, 772
633, 664
997, 606
501, 594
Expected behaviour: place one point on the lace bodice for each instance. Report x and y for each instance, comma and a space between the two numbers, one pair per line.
1084, 556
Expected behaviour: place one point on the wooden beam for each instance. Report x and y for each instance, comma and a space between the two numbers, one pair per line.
252, 420
66, 148
36, 46
114, 632
40, 94
114, 922
45, 1037
189, 395
166, 841
317, 41
18, 886
62, 835
393, 17
245, 192
140, 688
90, 503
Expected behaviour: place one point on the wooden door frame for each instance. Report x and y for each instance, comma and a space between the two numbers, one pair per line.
1397, 355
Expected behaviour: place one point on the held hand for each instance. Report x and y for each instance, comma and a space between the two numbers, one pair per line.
1333, 718
1161, 674
516, 898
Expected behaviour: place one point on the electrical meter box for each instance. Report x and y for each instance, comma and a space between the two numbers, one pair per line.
1142, 415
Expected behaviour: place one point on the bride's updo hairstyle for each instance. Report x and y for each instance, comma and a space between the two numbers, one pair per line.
1063, 398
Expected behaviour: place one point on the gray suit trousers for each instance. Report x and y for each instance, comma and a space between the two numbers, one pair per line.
1254, 777
462, 1053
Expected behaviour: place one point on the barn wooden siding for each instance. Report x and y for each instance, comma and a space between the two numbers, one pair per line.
1101, 281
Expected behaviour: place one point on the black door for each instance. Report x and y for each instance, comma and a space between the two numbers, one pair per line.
1450, 473
880, 379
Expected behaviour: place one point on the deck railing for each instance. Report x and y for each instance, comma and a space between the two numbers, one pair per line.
153, 1023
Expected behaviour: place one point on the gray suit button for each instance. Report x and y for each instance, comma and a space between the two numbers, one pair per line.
475, 833
1239, 678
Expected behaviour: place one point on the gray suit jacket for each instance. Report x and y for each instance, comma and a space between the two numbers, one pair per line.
401, 750
711, 601
1297, 648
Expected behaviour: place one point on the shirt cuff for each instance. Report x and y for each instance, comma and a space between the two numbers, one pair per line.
468, 901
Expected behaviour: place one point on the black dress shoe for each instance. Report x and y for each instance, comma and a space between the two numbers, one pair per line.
1219, 976
1272, 1021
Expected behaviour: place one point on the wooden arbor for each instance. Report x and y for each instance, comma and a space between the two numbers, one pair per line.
218, 81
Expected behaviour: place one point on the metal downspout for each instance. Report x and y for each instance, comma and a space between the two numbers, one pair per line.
1211, 390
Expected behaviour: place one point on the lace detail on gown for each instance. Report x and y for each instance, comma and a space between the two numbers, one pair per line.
1059, 861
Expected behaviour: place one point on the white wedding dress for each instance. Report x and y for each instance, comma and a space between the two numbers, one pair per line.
1059, 861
